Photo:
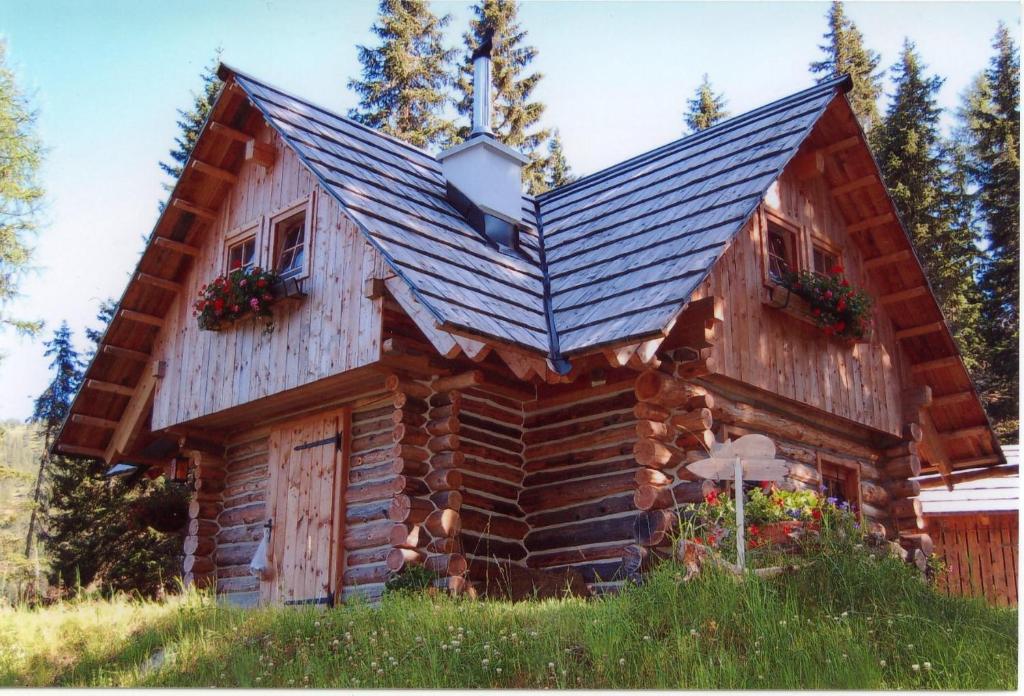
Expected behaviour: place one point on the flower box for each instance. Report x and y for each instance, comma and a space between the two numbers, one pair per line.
785, 301
244, 294
780, 533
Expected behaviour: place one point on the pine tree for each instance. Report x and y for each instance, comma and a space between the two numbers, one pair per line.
92, 533
516, 116
50, 409
925, 176
21, 195
991, 123
191, 121
845, 54
706, 108
404, 78
558, 173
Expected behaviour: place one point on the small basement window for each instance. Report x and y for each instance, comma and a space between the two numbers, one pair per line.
782, 251
840, 482
290, 238
242, 254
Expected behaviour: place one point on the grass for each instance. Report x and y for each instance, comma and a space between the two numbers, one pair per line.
845, 621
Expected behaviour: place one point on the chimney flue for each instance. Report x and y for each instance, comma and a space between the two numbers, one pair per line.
482, 85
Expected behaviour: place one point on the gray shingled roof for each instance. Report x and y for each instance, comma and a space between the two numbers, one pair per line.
623, 249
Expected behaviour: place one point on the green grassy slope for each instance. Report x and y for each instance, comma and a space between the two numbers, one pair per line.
845, 621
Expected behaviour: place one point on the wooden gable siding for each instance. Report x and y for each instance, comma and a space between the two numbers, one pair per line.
334, 329
777, 352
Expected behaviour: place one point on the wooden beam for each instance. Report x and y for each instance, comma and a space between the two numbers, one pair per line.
808, 165
839, 145
876, 221
84, 451
934, 449
199, 211
93, 421
373, 288
227, 131
903, 295
973, 431
214, 172
952, 399
854, 185
128, 353
141, 317
100, 385
934, 327
951, 361
158, 282
176, 247
262, 154
968, 476
132, 418
421, 316
888, 259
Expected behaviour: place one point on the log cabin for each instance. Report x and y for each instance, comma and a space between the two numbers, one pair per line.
495, 385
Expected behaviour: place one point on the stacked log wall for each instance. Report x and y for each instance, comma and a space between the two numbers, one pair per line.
580, 477
375, 464
199, 567
491, 442
240, 524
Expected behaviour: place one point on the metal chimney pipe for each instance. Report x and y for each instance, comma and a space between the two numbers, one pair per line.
482, 86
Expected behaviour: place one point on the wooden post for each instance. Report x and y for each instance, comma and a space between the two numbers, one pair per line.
741, 550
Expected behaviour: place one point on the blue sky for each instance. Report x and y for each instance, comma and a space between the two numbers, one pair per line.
107, 77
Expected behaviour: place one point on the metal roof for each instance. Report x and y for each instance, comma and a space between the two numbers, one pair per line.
998, 493
623, 249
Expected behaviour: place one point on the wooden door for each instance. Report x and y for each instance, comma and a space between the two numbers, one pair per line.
306, 458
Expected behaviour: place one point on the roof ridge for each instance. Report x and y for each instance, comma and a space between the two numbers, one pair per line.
224, 67
707, 133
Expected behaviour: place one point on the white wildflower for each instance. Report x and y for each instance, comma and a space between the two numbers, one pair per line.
916, 667
928, 666
881, 663
622, 661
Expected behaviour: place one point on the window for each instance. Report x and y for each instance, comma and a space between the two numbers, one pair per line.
291, 247
242, 254
823, 259
782, 251
841, 482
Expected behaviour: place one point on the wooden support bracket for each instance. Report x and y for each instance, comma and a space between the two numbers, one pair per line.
176, 247
228, 132
921, 330
903, 295
93, 421
141, 317
888, 259
214, 172
110, 387
128, 353
869, 223
199, 211
855, 185
262, 154
157, 282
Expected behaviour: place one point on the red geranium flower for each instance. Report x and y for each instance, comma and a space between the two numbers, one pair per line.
836, 270
753, 530
711, 498
816, 513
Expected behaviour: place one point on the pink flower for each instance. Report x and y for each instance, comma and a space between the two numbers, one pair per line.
255, 304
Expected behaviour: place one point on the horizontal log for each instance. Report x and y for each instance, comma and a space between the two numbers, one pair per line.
451, 564
443, 443
697, 439
903, 449
913, 541
606, 530
651, 477
451, 500
409, 510
874, 494
399, 558
491, 437
576, 428
645, 410
473, 449
369, 556
657, 455
408, 435
580, 456
447, 460
445, 545
443, 523
493, 525
903, 488
653, 527
697, 420
561, 557
367, 574
653, 497
905, 507
912, 432
459, 381
493, 488
197, 527
444, 480
492, 547
408, 536
696, 368
443, 426
365, 536
591, 510
447, 411
246, 514
373, 490
655, 430
198, 564
471, 498
204, 510
575, 410
661, 389
907, 466
637, 559
409, 403
236, 554
571, 491
367, 512
693, 491
417, 390
446, 398
198, 545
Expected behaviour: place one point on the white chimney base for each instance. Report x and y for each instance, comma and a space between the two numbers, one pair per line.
487, 173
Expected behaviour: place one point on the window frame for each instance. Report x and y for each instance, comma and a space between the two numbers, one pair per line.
769, 219
240, 234
827, 247
852, 471
276, 221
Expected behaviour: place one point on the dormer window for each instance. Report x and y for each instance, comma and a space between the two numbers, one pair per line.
782, 251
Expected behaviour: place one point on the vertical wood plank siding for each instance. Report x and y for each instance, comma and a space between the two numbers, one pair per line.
332, 330
769, 349
980, 550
